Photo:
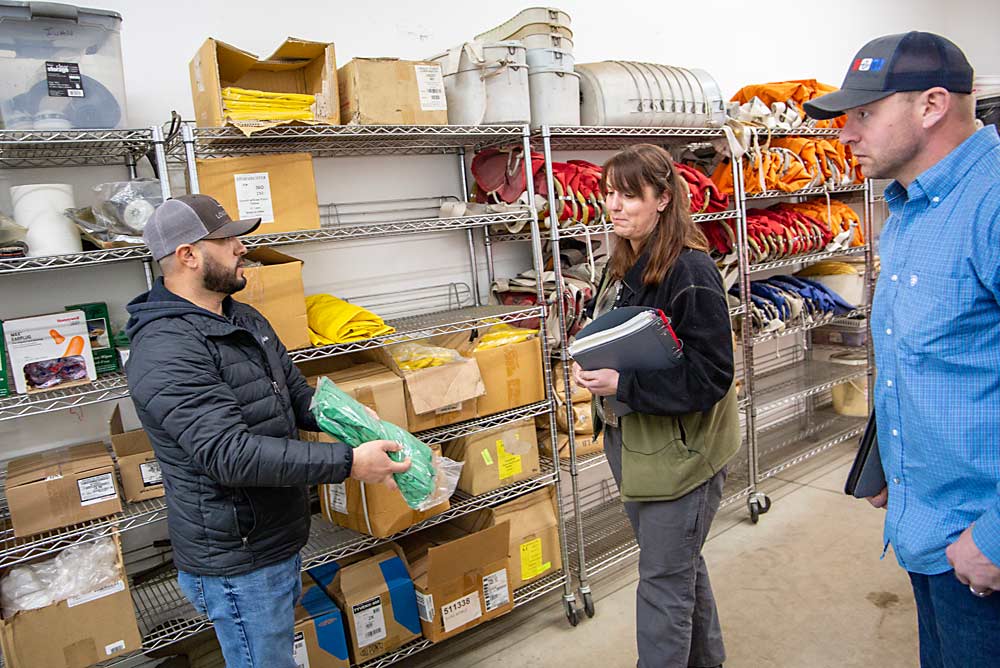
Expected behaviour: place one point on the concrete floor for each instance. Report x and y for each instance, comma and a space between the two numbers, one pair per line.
804, 587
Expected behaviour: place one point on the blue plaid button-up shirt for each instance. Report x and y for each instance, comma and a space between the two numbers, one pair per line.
936, 330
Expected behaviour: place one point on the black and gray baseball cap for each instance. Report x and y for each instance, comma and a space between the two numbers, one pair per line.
913, 61
191, 218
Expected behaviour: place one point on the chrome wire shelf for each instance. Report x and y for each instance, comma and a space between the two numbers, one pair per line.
72, 148
600, 228
443, 434
806, 258
346, 140
793, 441
805, 327
422, 327
800, 381
84, 259
612, 138
106, 388
809, 192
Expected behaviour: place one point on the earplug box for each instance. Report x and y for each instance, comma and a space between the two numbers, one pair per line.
49, 352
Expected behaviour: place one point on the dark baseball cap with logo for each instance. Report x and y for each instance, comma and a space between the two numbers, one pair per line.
913, 61
191, 218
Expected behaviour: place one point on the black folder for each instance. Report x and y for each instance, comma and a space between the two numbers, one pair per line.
866, 477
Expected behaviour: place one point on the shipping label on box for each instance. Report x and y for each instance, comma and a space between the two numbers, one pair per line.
140, 472
49, 351
461, 579
102, 339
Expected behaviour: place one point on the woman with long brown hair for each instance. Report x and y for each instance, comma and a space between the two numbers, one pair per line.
668, 452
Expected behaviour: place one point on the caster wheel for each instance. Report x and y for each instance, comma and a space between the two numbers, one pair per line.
572, 615
766, 506
588, 604
754, 511
758, 505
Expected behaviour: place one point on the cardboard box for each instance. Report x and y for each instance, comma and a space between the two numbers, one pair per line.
4, 389
49, 351
102, 339
496, 458
275, 289
50, 490
534, 534
579, 394
139, 469
461, 580
371, 383
279, 189
74, 633
512, 375
377, 599
583, 418
372, 509
586, 444
441, 395
320, 641
298, 66
388, 91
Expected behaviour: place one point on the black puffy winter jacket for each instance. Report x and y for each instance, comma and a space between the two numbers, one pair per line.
222, 403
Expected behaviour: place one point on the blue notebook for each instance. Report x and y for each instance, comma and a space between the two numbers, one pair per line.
629, 338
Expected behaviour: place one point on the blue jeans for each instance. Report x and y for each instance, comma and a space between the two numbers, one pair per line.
957, 628
253, 613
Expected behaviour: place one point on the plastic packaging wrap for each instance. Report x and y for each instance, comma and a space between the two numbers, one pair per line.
413, 356
77, 570
431, 479
504, 335
123, 208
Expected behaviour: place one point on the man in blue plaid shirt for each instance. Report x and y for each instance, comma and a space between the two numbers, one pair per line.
936, 331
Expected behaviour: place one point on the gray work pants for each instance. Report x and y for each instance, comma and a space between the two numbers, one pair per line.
677, 624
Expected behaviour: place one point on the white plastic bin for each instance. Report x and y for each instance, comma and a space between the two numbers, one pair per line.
555, 97
528, 19
851, 398
486, 83
60, 67
550, 58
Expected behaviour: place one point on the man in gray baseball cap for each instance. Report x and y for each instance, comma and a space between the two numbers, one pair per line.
935, 326
222, 404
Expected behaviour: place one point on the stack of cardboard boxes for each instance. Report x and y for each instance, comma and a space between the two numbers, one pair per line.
582, 425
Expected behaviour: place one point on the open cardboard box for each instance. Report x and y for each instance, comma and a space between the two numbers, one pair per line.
140, 471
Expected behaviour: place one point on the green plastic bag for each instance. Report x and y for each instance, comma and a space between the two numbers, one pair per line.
429, 481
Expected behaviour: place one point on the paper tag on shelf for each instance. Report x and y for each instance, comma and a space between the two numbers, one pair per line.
114, 648
510, 465
337, 497
151, 473
425, 607
531, 559
369, 622
430, 83
253, 196
460, 612
300, 655
97, 488
495, 590
94, 595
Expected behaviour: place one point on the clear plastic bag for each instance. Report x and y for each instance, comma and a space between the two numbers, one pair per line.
123, 208
430, 480
413, 356
77, 570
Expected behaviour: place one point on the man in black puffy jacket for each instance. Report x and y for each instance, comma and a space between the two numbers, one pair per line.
222, 404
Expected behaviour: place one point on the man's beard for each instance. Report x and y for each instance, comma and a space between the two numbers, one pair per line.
220, 279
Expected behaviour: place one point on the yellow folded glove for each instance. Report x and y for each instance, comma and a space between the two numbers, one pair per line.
332, 320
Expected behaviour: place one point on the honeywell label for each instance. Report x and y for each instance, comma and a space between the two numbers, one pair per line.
338, 498
461, 612
96, 488
301, 656
495, 590
425, 607
253, 196
114, 648
430, 83
94, 595
64, 79
151, 474
369, 622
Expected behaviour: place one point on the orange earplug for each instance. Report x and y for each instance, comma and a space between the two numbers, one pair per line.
56, 336
75, 347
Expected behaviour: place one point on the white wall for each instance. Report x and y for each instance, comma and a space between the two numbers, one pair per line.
736, 42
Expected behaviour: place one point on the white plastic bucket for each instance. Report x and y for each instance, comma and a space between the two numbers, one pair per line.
552, 59
851, 398
41, 208
528, 19
555, 97
487, 84
849, 286
545, 40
